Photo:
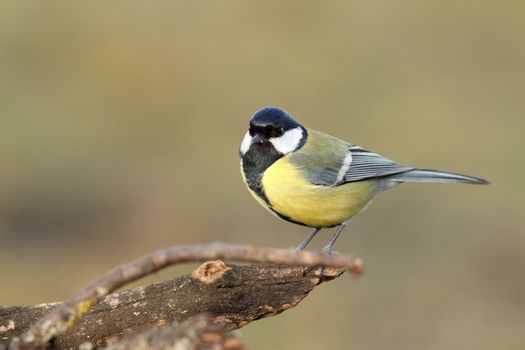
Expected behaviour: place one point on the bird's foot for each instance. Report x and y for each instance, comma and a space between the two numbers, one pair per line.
327, 272
323, 272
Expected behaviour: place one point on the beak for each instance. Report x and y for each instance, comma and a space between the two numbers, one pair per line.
257, 138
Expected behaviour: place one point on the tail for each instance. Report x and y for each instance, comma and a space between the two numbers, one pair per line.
426, 175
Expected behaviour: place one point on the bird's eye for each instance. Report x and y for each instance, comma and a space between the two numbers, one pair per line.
268, 131
277, 131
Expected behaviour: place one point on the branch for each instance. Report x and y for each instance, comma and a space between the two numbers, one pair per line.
197, 332
240, 283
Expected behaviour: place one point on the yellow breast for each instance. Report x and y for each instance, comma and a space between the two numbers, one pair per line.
293, 196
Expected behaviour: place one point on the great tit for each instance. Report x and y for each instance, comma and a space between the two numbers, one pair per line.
313, 179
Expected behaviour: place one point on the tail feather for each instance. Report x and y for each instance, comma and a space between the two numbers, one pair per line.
426, 175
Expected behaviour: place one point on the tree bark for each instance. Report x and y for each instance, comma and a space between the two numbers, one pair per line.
196, 332
230, 296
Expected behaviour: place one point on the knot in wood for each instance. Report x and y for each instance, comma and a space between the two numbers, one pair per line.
210, 271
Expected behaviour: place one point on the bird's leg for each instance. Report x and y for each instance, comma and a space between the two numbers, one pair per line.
308, 238
327, 249
305, 242
330, 245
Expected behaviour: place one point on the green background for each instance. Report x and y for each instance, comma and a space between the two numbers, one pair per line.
120, 124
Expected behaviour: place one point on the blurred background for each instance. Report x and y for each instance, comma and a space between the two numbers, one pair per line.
119, 132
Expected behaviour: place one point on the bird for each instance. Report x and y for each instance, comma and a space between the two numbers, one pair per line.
313, 179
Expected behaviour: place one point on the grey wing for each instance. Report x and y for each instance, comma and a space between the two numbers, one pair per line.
358, 164
365, 164
325, 177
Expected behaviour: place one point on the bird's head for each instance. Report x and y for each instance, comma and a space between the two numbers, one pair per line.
273, 130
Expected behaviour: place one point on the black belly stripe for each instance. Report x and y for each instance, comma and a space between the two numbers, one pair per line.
287, 218
255, 184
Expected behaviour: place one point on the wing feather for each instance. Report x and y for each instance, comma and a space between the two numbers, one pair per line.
363, 165
366, 164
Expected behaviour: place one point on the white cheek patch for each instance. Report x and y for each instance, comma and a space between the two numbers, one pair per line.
288, 142
246, 142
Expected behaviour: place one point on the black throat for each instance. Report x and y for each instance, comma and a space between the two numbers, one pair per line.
254, 162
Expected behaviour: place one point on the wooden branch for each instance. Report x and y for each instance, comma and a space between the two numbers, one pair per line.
234, 295
197, 332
